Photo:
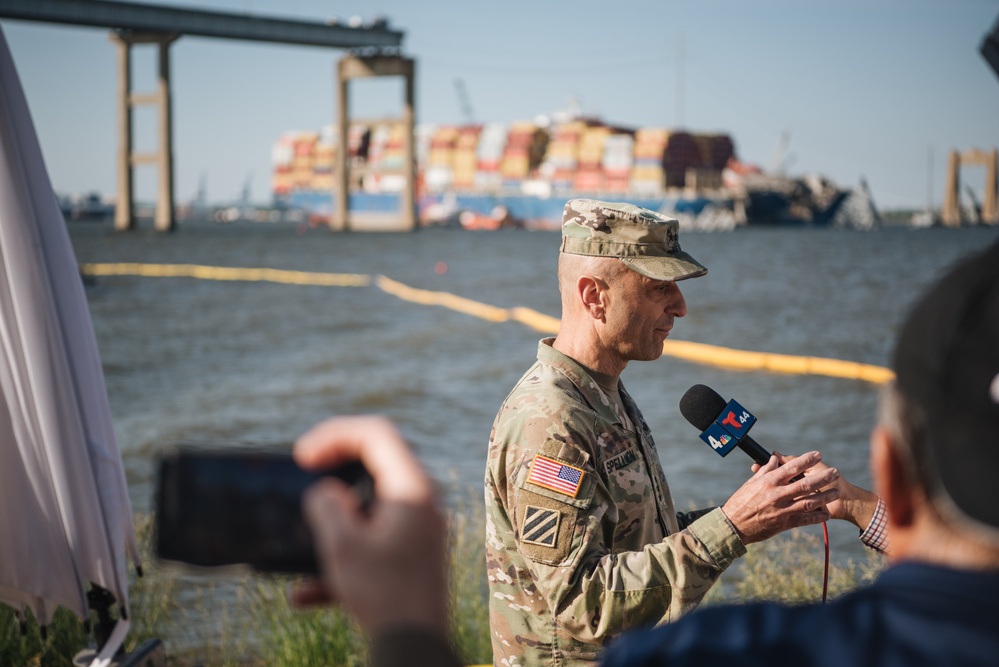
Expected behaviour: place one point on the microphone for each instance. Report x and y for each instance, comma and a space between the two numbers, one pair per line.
723, 425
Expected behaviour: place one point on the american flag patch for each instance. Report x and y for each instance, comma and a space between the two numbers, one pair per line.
556, 476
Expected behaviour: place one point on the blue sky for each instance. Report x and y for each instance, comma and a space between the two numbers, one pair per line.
879, 89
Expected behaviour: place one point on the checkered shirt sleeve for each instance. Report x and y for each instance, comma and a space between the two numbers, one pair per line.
876, 535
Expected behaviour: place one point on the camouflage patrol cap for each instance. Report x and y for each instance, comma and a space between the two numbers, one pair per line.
647, 242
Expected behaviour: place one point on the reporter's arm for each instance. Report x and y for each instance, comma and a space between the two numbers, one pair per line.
855, 504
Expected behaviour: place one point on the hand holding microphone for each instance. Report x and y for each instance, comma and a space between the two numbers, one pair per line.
777, 497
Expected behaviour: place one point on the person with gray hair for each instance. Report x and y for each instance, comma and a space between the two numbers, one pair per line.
934, 457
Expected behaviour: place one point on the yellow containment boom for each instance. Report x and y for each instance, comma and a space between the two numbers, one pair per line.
743, 360
698, 353
227, 273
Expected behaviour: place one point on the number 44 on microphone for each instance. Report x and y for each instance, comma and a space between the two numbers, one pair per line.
731, 426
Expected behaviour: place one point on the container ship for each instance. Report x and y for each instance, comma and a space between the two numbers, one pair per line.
497, 175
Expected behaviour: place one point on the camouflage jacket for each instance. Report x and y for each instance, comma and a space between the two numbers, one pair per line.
582, 539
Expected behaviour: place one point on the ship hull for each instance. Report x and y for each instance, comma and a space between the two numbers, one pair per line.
504, 209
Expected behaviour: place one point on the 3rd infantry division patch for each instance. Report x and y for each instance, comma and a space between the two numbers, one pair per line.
540, 525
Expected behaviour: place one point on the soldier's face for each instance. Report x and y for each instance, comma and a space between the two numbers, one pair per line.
640, 314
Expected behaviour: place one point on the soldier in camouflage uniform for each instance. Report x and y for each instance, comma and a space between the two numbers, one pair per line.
582, 538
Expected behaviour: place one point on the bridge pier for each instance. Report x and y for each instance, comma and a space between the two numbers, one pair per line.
341, 219
136, 23
124, 216
951, 214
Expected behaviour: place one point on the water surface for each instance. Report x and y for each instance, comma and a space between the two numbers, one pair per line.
259, 363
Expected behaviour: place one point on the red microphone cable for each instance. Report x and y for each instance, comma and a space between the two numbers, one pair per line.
825, 576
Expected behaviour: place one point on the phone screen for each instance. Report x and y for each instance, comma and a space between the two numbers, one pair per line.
225, 507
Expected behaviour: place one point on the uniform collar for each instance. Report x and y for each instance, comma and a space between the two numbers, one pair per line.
582, 377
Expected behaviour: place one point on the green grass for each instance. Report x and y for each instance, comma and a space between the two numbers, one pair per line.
24, 645
789, 569
293, 637
244, 620
469, 597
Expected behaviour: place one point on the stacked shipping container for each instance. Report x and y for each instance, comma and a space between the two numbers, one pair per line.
282, 156
618, 161
522, 153
582, 156
489, 154
386, 159
466, 158
589, 176
562, 155
438, 173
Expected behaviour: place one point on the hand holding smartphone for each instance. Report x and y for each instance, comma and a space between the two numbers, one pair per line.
219, 507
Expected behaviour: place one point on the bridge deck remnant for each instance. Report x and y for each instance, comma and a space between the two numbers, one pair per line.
158, 18
133, 23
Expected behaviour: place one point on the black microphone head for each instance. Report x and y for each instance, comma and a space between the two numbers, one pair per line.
701, 405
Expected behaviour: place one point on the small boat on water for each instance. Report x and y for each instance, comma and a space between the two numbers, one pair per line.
90, 206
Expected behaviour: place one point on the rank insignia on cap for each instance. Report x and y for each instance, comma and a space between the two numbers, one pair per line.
555, 475
540, 526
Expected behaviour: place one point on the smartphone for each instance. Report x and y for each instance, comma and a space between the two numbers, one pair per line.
237, 506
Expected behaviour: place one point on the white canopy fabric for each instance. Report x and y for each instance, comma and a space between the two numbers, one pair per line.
65, 514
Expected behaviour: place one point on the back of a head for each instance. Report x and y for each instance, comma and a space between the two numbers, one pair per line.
947, 365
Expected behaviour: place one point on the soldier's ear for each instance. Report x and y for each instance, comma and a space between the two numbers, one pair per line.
590, 290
